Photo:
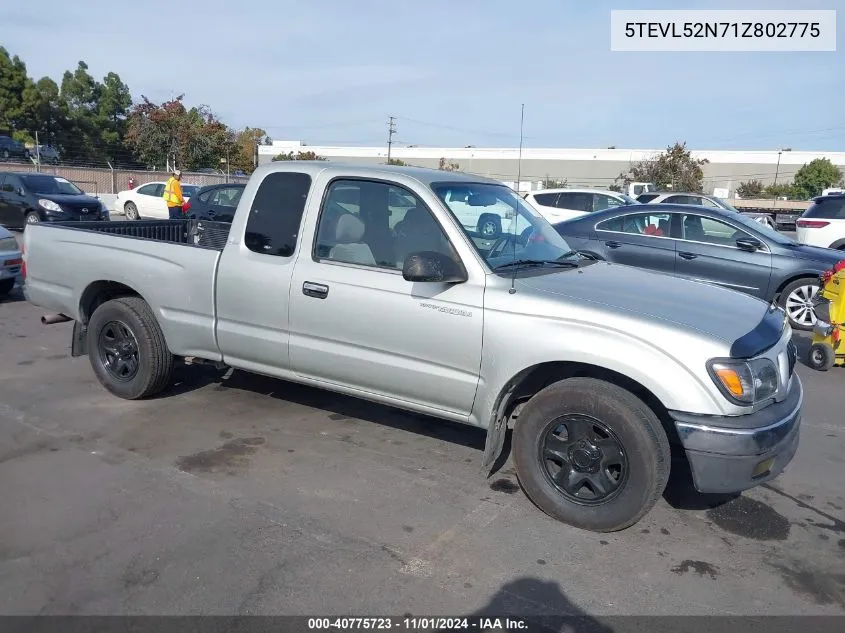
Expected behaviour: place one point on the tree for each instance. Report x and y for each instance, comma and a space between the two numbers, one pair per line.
169, 133
113, 103
81, 93
448, 166
397, 162
246, 142
675, 168
781, 190
816, 176
308, 155
750, 189
46, 112
13, 82
553, 183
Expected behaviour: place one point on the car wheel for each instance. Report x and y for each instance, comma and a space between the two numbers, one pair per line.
131, 211
127, 349
489, 226
32, 218
797, 301
6, 286
821, 356
591, 454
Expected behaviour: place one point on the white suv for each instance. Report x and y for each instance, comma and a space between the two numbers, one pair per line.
823, 223
558, 205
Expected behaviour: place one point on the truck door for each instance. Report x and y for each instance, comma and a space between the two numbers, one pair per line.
357, 323
254, 275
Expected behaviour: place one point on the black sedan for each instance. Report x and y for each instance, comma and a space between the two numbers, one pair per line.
215, 202
710, 245
30, 197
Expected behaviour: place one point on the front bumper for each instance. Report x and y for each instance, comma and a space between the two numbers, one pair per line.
726, 459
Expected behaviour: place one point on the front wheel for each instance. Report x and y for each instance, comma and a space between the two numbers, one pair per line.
797, 301
32, 218
127, 349
591, 454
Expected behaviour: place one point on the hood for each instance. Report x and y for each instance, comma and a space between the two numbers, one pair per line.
71, 200
686, 305
826, 257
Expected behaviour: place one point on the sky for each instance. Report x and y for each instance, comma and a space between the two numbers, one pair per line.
452, 72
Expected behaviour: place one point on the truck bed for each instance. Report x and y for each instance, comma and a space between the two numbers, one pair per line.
200, 233
172, 264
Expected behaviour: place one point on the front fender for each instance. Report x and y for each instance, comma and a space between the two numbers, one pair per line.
515, 346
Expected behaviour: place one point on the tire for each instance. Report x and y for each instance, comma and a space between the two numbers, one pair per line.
6, 286
821, 357
796, 300
626, 423
128, 324
32, 218
131, 211
489, 226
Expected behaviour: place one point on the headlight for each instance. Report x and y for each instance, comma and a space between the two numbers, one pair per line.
49, 205
745, 382
8, 244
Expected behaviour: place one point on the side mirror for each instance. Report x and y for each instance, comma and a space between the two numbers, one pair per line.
749, 244
431, 266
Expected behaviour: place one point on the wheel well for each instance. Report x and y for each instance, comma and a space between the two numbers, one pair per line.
533, 380
791, 279
98, 293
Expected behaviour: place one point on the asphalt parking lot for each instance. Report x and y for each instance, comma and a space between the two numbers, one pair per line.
237, 494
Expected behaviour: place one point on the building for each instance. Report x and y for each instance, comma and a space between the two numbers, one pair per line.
595, 168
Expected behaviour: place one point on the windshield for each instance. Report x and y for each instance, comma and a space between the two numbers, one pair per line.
51, 185
501, 226
762, 228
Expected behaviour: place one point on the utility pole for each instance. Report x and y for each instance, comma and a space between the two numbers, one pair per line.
391, 130
37, 154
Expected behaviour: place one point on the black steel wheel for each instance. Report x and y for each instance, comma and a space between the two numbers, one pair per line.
591, 454
821, 357
127, 349
118, 351
584, 459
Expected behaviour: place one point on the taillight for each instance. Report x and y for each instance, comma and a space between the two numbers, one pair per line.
811, 224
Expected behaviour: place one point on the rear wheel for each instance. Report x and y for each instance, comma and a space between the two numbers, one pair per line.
821, 356
127, 349
797, 301
131, 211
591, 454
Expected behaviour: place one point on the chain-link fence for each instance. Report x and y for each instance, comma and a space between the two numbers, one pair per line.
97, 180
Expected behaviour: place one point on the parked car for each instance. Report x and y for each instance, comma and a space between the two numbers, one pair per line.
146, 202
823, 223
10, 149
699, 199
711, 245
557, 205
46, 154
10, 262
214, 202
594, 379
29, 198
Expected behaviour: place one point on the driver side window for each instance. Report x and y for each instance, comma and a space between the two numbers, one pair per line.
698, 228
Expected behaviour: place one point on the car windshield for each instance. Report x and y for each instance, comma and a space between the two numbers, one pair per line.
762, 228
51, 185
501, 226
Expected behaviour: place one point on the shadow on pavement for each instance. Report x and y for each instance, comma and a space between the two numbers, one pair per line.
13, 297
540, 604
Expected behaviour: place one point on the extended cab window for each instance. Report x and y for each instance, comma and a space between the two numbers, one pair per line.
376, 224
656, 224
276, 213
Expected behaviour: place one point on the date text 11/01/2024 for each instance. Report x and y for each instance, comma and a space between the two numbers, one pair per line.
663, 30
411, 623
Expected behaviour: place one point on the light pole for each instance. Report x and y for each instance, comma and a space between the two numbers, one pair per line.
777, 170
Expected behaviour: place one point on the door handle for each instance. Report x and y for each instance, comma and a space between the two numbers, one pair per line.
613, 244
687, 255
318, 291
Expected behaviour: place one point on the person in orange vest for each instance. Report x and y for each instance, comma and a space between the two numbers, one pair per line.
173, 195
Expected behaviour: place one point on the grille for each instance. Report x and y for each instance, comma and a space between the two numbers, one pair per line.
791, 357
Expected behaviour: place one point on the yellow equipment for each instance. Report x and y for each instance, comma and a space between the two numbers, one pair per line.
827, 349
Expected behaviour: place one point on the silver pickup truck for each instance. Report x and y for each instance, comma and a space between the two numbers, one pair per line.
444, 294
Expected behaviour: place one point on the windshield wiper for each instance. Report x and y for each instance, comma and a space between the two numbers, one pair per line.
536, 262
